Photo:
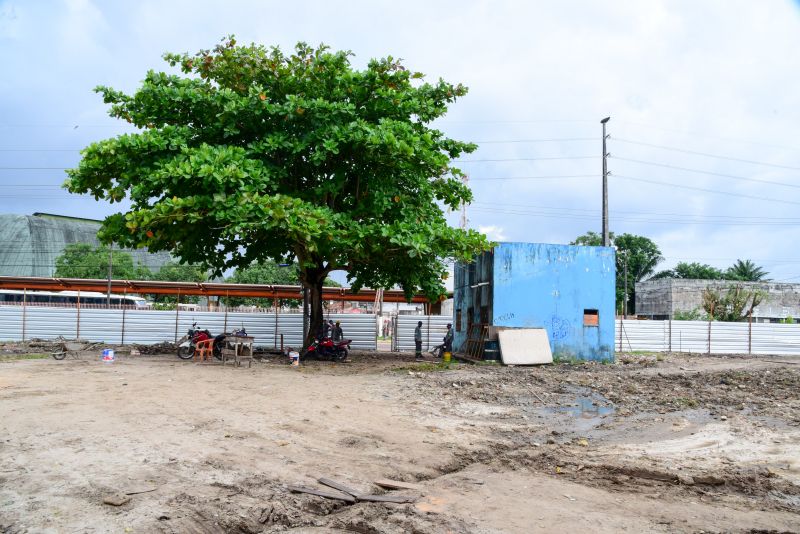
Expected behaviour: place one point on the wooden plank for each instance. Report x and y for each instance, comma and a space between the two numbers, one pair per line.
338, 486
322, 493
396, 484
399, 499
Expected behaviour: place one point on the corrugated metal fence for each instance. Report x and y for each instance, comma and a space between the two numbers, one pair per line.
434, 327
702, 337
148, 327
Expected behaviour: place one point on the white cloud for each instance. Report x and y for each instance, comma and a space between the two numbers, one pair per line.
493, 233
716, 77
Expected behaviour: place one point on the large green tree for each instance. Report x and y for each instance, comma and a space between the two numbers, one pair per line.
640, 254
252, 154
81, 260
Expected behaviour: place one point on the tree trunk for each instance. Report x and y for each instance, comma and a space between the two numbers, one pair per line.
313, 281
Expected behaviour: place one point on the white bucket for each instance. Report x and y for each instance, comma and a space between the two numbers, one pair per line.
295, 357
108, 355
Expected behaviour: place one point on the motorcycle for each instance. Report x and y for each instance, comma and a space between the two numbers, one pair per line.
328, 349
187, 344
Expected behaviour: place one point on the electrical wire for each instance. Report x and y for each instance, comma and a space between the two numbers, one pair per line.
732, 176
562, 140
705, 154
545, 177
521, 159
715, 191
682, 215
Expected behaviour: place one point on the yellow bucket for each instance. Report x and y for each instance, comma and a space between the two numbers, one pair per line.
446, 357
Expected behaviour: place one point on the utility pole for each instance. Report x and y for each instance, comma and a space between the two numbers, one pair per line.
606, 240
464, 221
110, 269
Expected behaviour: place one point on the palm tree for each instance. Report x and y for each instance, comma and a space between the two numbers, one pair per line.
746, 271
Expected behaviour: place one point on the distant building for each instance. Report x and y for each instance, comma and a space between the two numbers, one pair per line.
567, 290
662, 299
30, 244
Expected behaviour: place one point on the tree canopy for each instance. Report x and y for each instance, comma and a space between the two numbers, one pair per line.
252, 154
746, 271
81, 260
640, 253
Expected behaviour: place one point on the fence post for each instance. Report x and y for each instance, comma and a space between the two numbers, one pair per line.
670, 334
177, 307
619, 321
78, 323
124, 307
24, 311
750, 333
275, 335
428, 341
225, 326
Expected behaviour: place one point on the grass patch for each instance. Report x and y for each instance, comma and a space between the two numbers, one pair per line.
14, 357
686, 401
494, 363
427, 366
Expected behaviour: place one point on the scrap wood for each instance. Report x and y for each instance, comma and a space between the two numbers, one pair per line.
338, 486
399, 499
140, 490
396, 484
321, 493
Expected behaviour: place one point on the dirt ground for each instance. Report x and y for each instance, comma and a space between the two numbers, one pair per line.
649, 444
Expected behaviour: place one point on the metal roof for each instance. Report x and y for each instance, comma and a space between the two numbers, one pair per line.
30, 244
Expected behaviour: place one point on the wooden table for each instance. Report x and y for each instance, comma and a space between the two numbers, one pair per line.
238, 349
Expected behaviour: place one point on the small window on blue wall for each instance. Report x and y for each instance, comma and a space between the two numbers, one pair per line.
591, 318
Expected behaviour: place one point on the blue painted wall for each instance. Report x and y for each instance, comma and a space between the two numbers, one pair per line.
550, 286
546, 286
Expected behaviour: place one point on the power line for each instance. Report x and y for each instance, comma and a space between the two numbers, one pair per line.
741, 195
40, 149
674, 167
706, 154
562, 140
545, 177
682, 215
523, 159
547, 215
34, 168
696, 134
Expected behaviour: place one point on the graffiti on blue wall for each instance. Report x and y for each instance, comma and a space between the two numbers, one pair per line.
551, 286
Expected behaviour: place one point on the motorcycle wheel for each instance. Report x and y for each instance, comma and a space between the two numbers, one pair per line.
341, 355
185, 353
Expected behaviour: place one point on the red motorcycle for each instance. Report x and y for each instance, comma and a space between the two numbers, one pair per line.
328, 349
187, 343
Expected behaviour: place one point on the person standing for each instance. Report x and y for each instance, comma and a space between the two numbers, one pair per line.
418, 341
338, 333
448, 338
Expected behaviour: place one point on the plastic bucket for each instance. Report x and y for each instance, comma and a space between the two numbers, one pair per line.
295, 357
108, 355
446, 357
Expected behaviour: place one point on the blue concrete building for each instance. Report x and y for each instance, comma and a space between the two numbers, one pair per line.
567, 290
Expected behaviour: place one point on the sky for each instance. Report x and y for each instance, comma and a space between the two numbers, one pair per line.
704, 100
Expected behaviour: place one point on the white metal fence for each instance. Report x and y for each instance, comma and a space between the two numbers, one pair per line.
704, 337
147, 327
434, 327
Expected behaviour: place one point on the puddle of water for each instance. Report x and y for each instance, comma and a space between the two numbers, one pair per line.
589, 406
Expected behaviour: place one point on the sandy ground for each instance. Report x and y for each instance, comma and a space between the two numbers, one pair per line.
679, 444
